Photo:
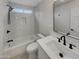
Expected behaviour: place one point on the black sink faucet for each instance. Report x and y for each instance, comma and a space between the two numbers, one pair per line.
62, 38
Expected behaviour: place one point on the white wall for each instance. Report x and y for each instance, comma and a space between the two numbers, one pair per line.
22, 25
44, 16
3, 18
75, 17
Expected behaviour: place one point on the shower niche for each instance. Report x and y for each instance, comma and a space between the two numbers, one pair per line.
66, 17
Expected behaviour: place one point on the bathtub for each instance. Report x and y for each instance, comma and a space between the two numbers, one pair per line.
18, 46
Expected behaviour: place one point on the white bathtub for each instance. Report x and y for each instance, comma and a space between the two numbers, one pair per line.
18, 47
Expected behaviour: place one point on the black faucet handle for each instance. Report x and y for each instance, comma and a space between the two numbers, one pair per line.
71, 46
67, 34
8, 31
58, 39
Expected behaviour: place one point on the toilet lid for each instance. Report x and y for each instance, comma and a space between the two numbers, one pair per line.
32, 47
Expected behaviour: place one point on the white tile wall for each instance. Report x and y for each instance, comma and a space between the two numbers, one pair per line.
44, 16
3, 14
22, 25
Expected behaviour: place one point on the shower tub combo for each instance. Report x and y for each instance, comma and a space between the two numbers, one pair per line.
18, 46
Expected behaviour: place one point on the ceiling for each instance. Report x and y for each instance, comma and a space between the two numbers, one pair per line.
59, 2
30, 3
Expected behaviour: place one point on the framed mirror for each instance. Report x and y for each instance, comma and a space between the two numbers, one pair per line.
66, 17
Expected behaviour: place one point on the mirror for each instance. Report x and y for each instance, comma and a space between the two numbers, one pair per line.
66, 17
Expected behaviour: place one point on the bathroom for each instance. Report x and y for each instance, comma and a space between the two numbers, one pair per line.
31, 23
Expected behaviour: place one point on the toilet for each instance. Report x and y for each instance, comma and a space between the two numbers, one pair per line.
32, 49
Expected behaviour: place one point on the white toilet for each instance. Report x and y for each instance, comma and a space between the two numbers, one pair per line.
32, 49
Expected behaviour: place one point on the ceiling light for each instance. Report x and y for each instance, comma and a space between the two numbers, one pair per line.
62, 0
55, 0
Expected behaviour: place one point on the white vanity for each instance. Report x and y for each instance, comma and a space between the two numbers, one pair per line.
64, 45
56, 50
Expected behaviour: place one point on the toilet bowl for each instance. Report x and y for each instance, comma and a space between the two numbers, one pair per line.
32, 49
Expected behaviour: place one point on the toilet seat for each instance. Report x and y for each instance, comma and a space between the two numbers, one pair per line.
32, 47
32, 51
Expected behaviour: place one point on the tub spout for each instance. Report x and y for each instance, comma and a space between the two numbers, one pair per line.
9, 41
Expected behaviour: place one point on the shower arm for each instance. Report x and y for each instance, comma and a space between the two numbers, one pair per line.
10, 9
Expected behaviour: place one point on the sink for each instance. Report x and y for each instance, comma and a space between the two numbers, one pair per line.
56, 50
61, 51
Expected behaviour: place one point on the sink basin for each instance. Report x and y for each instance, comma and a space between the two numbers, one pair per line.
56, 50
61, 51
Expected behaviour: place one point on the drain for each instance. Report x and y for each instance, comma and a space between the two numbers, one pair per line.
61, 55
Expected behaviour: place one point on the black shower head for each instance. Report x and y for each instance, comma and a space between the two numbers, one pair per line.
10, 8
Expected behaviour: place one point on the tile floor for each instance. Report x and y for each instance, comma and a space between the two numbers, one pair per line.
21, 56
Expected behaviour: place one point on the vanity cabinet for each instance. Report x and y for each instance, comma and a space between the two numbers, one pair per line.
42, 54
